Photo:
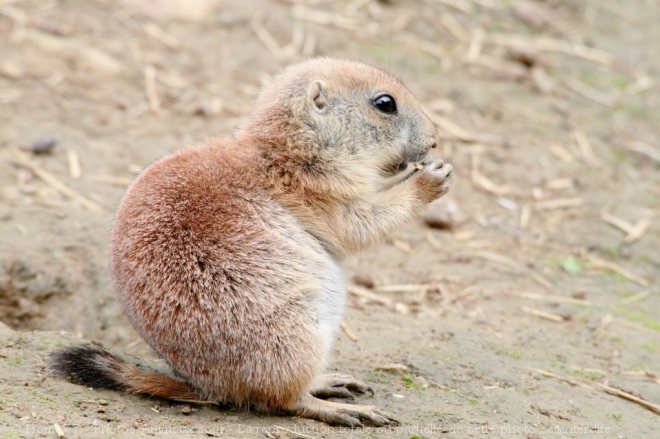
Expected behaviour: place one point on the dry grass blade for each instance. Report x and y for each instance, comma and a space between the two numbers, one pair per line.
559, 203
348, 331
278, 52
74, 164
22, 160
562, 153
633, 232
461, 133
635, 297
639, 230
644, 149
476, 44
586, 150
542, 314
161, 36
369, 295
460, 5
541, 281
525, 216
617, 222
590, 93
484, 183
655, 408
548, 374
550, 298
596, 262
150, 89
454, 27
545, 44
431, 47
496, 257
500, 67
58, 430
112, 179
295, 433
323, 18
406, 288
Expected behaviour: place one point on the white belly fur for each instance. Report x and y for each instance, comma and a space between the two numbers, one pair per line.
329, 304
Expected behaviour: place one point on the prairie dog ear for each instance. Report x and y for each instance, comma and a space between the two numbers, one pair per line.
317, 96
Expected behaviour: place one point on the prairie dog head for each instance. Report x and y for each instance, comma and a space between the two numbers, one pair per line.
347, 121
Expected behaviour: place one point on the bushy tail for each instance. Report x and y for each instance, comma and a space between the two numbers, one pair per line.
94, 366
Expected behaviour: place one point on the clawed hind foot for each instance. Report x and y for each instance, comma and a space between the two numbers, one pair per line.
338, 385
336, 413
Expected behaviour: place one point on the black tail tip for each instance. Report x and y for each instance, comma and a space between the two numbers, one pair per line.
89, 365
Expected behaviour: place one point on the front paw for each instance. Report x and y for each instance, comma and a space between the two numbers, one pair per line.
434, 179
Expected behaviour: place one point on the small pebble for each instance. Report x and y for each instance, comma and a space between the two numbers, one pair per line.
186, 410
43, 145
443, 214
364, 280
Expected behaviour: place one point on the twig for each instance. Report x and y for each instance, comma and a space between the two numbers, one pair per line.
51, 180
543, 314
348, 331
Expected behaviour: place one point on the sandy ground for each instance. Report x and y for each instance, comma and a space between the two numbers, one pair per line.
536, 315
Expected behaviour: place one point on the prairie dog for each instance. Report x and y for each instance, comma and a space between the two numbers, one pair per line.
227, 256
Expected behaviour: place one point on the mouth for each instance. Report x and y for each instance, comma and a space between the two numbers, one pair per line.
401, 163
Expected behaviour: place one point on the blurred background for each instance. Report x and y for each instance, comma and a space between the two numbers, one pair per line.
527, 297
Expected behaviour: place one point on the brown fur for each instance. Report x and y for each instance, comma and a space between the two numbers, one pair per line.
221, 253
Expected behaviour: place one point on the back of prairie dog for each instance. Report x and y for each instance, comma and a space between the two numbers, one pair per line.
227, 256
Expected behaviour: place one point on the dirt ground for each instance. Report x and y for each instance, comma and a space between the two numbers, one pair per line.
537, 314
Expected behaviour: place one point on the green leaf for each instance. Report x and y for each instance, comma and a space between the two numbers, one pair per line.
571, 265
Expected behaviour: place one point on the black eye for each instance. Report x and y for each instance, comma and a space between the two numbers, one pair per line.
385, 103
